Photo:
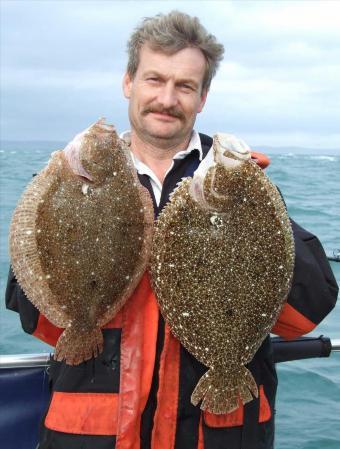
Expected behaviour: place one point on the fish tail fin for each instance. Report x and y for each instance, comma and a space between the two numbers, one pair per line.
75, 346
222, 392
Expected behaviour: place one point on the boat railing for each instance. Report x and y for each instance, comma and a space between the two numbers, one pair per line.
24, 360
283, 351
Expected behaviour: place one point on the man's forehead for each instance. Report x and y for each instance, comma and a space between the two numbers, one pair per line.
188, 61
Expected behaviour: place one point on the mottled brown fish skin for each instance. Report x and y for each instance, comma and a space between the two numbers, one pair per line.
77, 250
221, 276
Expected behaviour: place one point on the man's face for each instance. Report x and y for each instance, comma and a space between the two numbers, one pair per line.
165, 95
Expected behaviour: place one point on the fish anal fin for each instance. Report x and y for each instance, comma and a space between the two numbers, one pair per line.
245, 395
249, 382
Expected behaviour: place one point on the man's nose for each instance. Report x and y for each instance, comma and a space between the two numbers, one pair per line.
167, 96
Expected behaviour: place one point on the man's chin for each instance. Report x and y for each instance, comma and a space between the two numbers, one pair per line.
164, 134
165, 137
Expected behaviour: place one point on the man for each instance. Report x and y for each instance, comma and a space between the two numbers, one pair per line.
136, 394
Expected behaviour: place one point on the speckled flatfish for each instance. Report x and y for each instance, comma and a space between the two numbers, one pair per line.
222, 265
79, 248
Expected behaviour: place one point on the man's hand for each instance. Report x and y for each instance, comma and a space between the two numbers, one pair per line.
71, 152
81, 157
235, 145
242, 150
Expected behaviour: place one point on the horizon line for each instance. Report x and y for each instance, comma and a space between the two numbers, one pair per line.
258, 146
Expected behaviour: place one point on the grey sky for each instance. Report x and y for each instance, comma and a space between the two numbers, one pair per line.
62, 64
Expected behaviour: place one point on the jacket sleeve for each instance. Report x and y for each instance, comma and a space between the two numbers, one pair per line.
314, 289
32, 321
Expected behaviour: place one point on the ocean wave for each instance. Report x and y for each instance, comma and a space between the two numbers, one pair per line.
284, 156
304, 157
324, 158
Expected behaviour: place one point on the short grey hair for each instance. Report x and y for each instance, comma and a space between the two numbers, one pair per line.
171, 33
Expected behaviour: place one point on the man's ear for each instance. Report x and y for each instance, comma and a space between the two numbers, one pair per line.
127, 85
204, 95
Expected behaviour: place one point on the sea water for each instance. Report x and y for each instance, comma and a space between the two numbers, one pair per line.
308, 404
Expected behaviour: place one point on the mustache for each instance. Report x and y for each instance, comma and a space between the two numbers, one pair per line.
174, 112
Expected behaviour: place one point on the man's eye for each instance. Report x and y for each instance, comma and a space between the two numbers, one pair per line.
153, 79
186, 87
